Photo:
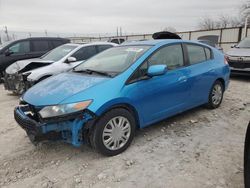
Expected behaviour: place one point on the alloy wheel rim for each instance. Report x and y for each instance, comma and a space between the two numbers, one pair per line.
116, 133
217, 94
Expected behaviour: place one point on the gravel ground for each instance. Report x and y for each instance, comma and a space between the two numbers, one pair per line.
199, 148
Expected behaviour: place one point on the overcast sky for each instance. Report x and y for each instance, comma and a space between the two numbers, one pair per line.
103, 16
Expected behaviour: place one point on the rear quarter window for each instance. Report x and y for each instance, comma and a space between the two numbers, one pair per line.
208, 53
196, 54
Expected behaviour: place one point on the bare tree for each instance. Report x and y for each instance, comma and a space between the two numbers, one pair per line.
245, 11
235, 22
224, 21
170, 29
207, 23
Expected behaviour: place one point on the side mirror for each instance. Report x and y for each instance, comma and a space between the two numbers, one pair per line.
8, 52
71, 60
156, 70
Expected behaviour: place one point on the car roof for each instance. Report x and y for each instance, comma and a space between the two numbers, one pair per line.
152, 42
41, 38
91, 44
160, 42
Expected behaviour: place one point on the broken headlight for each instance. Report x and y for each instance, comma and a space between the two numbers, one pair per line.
63, 109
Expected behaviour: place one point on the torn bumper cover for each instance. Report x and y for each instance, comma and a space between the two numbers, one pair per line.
68, 129
14, 82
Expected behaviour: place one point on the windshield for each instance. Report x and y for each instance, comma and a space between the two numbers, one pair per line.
114, 60
245, 43
58, 53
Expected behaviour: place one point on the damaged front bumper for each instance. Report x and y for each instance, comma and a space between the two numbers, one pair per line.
68, 129
15, 83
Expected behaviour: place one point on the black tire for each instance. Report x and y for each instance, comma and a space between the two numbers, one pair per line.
210, 103
247, 158
97, 134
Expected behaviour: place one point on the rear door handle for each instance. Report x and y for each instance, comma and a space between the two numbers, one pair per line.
211, 70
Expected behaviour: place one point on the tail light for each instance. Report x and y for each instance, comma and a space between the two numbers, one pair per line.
226, 60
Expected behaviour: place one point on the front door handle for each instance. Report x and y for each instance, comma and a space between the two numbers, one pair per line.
182, 79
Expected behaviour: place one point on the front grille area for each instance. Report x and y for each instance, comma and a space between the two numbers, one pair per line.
239, 64
23, 117
30, 108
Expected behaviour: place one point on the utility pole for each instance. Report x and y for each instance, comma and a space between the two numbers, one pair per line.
246, 24
46, 33
117, 32
6, 32
120, 31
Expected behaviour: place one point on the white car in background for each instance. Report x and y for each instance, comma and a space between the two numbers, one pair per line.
23, 74
239, 57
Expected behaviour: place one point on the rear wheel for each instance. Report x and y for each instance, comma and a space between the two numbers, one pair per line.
216, 95
114, 132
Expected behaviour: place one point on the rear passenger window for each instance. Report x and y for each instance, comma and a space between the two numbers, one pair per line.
40, 45
208, 53
196, 54
85, 53
103, 47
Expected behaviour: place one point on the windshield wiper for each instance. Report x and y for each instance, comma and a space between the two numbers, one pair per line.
90, 71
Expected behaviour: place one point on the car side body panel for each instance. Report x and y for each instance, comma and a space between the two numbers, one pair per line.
152, 99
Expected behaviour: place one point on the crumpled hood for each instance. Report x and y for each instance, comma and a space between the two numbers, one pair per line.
242, 52
58, 88
19, 65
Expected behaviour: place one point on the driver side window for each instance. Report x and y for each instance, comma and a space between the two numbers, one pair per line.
20, 47
172, 56
85, 53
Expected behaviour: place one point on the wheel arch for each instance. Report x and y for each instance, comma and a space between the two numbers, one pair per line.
222, 81
129, 108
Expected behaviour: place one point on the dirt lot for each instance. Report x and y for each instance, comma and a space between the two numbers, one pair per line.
199, 148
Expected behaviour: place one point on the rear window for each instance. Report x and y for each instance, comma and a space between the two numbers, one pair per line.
196, 54
40, 45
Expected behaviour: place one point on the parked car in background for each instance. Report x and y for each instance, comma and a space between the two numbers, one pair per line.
26, 49
247, 158
239, 58
165, 35
117, 40
103, 100
211, 43
23, 74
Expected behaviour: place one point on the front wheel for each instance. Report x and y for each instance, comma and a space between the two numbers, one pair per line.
216, 95
114, 132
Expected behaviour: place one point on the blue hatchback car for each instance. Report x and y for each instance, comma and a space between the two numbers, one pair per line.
105, 99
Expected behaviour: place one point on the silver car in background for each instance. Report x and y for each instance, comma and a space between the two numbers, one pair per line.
239, 58
21, 75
